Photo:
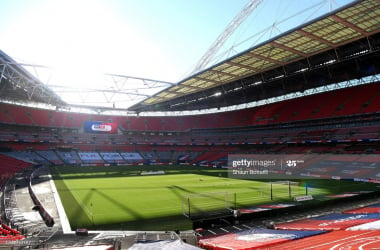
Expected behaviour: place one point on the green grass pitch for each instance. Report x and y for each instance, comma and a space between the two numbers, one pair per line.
120, 198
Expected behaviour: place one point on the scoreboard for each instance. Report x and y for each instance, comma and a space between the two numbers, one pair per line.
100, 127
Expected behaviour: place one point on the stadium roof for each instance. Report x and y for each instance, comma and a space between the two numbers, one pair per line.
284, 64
17, 84
353, 22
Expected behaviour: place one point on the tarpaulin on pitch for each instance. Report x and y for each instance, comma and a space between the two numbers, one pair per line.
329, 222
253, 238
365, 210
369, 239
375, 225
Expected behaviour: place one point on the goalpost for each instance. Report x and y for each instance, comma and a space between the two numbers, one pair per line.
282, 189
196, 205
215, 203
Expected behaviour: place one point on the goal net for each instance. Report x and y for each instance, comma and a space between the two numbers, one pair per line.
282, 189
206, 204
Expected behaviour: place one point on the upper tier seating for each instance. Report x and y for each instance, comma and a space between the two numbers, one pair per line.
344, 102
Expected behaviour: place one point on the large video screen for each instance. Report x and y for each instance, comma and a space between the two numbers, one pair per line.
100, 127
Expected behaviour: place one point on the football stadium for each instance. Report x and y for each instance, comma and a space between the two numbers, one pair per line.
275, 147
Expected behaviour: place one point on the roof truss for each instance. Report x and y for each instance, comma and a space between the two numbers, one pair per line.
354, 22
17, 84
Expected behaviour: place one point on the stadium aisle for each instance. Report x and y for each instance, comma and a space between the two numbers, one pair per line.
25, 203
46, 192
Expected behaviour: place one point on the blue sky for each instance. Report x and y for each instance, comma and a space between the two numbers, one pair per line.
156, 39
